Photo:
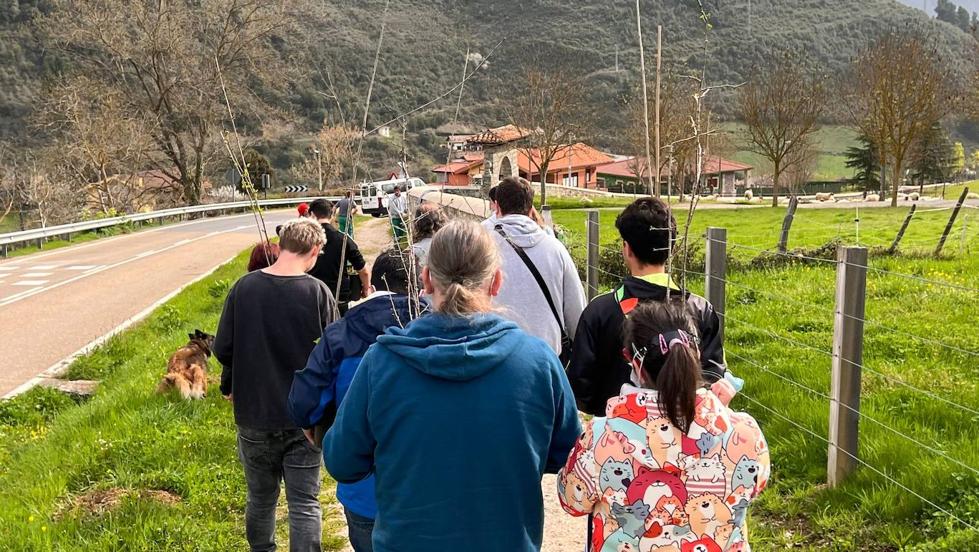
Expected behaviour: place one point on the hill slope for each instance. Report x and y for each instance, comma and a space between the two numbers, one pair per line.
426, 41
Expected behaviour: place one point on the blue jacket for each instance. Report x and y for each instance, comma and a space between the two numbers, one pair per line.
322, 384
458, 418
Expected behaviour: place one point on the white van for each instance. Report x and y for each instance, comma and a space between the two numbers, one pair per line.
374, 195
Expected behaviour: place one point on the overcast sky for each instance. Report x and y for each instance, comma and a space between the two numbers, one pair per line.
971, 5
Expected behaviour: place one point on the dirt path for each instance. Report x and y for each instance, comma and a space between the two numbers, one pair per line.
373, 236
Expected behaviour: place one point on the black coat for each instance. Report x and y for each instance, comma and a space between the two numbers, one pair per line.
598, 369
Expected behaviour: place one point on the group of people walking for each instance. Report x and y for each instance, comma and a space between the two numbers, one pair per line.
440, 400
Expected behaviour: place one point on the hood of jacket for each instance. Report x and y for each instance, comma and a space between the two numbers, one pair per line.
453, 347
523, 230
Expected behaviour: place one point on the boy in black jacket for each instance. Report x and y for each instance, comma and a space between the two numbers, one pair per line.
598, 369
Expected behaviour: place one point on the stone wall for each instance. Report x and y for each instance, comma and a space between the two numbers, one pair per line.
455, 206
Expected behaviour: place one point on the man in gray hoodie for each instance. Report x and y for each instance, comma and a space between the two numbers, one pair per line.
521, 298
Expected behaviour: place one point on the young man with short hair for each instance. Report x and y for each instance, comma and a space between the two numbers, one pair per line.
328, 267
270, 323
521, 296
318, 389
598, 369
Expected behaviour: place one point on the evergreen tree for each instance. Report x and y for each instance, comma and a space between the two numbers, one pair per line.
865, 159
933, 157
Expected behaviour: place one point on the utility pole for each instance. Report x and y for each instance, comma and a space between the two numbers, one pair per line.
659, 64
319, 167
749, 18
616, 58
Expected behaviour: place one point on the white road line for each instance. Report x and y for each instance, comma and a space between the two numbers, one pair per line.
60, 367
151, 251
30, 283
35, 274
46, 266
31, 293
80, 267
102, 241
9, 267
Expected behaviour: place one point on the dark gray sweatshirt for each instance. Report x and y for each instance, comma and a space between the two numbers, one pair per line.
268, 327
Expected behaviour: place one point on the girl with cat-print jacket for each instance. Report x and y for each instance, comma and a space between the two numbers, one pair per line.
670, 468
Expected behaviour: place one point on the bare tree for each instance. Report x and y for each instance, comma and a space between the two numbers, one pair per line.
7, 189
41, 192
337, 145
780, 107
551, 104
161, 60
677, 106
102, 146
896, 91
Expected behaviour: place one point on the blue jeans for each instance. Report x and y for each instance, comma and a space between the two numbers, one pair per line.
359, 531
269, 457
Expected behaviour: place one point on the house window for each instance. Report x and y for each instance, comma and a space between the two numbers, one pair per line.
601, 182
571, 180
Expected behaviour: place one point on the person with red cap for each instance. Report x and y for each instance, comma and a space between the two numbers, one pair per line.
303, 209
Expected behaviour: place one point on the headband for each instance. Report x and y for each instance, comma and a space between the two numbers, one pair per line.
668, 339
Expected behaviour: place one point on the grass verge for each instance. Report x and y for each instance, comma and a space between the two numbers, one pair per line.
130, 469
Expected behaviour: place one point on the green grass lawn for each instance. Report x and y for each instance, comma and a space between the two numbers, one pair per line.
171, 463
780, 327
831, 143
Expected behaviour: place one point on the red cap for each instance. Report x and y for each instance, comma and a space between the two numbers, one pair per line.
303, 209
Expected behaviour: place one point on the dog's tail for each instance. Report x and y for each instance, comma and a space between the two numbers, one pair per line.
167, 383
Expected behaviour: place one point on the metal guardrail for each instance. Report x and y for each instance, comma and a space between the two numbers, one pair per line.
23, 236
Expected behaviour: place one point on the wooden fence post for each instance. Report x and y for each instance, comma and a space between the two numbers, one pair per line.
844, 407
716, 272
951, 221
904, 227
593, 256
783, 240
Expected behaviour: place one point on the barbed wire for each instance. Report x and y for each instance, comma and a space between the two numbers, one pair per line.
860, 414
858, 460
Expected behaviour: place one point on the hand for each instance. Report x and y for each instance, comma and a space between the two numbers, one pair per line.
309, 436
230, 397
365, 292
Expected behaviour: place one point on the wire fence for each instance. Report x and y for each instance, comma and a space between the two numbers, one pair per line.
824, 359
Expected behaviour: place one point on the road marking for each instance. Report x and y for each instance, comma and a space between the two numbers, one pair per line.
8, 267
150, 252
30, 293
80, 267
35, 274
181, 242
46, 266
59, 368
30, 283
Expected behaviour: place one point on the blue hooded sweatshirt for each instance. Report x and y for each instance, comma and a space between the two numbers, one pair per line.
323, 383
458, 418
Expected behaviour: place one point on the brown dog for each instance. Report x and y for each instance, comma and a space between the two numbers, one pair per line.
187, 369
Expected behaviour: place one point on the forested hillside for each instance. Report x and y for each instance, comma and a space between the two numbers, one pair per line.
426, 40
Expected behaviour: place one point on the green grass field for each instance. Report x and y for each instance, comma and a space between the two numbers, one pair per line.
831, 143
171, 464
778, 337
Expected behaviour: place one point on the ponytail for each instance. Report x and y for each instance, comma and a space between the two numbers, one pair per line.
462, 258
677, 383
663, 333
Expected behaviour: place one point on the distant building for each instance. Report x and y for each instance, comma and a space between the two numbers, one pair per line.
462, 171
629, 176
384, 131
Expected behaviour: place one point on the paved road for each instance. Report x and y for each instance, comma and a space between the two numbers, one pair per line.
53, 304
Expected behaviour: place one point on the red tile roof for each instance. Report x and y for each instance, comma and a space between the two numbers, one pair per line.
469, 161
581, 155
714, 165
499, 135
625, 168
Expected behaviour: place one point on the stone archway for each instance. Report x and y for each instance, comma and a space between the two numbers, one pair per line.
506, 168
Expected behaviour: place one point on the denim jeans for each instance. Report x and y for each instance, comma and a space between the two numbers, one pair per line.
359, 531
269, 457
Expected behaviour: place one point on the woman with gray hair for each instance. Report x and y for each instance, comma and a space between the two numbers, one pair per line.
458, 415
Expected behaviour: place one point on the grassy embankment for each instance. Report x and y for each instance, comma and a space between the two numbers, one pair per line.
130, 469
831, 144
780, 327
